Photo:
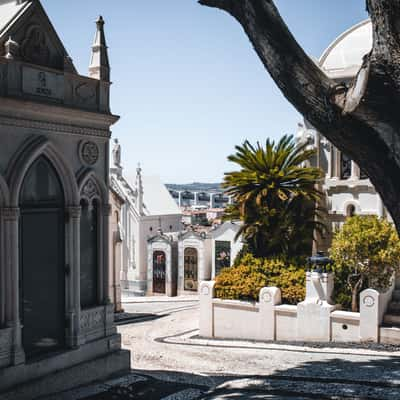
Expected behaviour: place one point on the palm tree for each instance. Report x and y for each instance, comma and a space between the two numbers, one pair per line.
275, 195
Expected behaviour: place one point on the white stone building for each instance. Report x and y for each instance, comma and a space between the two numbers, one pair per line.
148, 207
347, 189
55, 311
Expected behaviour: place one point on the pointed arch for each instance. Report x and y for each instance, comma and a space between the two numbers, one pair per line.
23, 159
4, 193
91, 188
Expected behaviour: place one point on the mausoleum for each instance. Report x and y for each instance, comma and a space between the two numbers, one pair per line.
194, 261
55, 311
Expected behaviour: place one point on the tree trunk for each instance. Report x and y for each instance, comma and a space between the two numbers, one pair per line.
361, 119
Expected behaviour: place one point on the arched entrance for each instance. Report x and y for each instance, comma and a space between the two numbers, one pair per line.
42, 259
159, 272
190, 269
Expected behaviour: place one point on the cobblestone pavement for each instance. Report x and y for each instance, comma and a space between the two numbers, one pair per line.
170, 361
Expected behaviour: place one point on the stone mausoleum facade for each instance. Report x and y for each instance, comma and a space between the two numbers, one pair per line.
55, 124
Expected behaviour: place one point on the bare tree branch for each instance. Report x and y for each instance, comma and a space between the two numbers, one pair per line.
299, 78
363, 119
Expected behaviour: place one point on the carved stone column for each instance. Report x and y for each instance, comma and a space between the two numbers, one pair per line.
355, 171
104, 270
336, 167
11, 253
73, 277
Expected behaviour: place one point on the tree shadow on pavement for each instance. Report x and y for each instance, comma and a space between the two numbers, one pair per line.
370, 378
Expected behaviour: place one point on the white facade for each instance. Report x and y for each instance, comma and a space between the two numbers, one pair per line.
148, 207
347, 190
200, 244
162, 278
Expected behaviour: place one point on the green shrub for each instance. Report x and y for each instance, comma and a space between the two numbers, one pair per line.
245, 280
366, 253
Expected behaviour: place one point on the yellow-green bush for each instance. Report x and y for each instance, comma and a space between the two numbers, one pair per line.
244, 281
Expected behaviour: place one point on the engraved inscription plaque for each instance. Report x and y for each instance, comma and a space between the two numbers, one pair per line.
42, 83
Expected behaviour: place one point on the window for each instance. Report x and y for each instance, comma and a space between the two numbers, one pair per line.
345, 166
41, 186
351, 210
89, 254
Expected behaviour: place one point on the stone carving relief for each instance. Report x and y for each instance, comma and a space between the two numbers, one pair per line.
85, 93
267, 297
35, 48
205, 291
89, 153
90, 189
92, 319
369, 301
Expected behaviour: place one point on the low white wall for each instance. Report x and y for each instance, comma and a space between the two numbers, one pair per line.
235, 319
269, 320
345, 326
286, 322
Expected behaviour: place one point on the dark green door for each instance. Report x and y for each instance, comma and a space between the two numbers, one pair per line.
42, 261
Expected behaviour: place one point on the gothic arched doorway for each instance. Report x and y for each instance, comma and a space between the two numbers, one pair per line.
159, 272
190, 269
42, 260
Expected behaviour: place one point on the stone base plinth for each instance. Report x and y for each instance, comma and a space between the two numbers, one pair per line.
91, 362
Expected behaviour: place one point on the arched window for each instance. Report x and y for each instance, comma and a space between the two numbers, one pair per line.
41, 186
42, 259
89, 253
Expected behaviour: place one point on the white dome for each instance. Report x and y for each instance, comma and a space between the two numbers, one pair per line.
344, 56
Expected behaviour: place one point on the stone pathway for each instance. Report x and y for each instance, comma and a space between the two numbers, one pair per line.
172, 362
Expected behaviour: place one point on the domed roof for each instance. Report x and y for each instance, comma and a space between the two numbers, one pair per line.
344, 56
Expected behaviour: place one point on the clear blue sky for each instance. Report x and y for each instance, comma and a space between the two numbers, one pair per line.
187, 83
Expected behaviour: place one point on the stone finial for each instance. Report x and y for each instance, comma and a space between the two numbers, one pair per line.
139, 189
12, 49
99, 65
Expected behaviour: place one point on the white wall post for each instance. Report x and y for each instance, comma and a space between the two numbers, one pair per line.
269, 298
369, 315
206, 322
314, 313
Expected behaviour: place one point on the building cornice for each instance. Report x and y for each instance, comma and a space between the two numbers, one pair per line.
53, 127
25, 113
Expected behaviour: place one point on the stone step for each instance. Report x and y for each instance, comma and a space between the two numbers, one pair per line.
389, 335
114, 363
396, 295
391, 319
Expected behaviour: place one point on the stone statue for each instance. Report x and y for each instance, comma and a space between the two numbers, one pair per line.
117, 153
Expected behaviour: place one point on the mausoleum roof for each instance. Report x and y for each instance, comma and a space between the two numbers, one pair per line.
10, 10
344, 56
156, 198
